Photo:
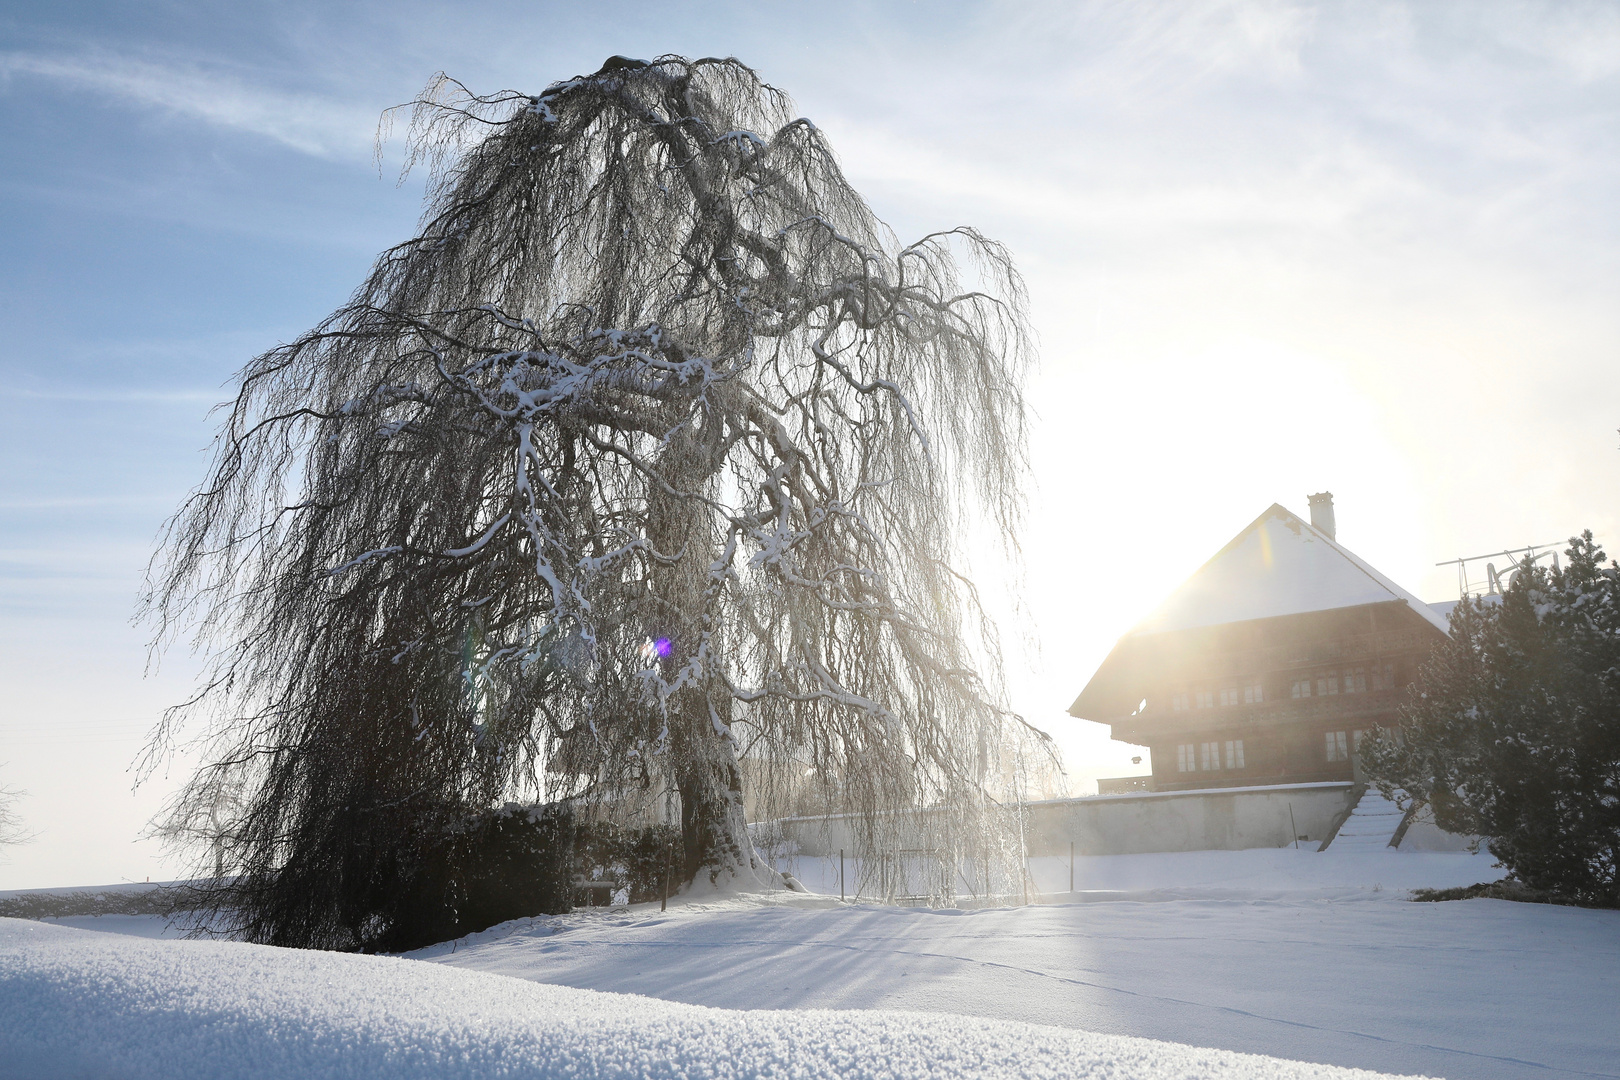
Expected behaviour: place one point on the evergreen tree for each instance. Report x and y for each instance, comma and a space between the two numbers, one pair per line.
1515, 732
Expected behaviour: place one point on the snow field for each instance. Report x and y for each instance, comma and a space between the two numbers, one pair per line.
1283, 953
77, 1004
1297, 955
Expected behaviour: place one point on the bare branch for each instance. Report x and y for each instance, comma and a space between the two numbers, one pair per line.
652, 431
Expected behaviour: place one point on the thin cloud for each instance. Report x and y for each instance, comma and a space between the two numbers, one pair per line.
312, 125
1314, 195
118, 396
67, 502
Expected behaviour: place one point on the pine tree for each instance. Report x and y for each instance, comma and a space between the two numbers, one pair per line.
1515, 734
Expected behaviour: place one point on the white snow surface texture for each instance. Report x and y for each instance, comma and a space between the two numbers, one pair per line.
1289, 954
75, 1003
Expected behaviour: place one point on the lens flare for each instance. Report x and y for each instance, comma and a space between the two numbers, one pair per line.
662, 647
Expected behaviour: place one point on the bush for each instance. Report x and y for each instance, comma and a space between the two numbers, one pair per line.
506, 863
521, 863
515, 862
1515, 734
468, 873
157, 900
642, 860
1506, 889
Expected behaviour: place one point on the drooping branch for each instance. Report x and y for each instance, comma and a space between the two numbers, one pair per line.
652, 436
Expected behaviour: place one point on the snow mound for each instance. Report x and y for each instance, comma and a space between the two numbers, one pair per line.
81, 1004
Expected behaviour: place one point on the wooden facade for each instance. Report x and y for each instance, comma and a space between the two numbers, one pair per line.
1277, 699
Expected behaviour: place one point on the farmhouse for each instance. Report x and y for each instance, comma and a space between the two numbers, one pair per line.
1267, 665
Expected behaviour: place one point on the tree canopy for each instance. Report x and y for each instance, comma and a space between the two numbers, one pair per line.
643, 468
1515, 733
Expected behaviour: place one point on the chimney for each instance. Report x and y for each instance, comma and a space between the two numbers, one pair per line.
1322, 513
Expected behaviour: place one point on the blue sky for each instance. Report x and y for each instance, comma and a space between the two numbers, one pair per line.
1272, 248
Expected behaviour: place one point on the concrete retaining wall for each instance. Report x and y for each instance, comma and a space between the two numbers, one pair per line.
1127, 824
1215, 819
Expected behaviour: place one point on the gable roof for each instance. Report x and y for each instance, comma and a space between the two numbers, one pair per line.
1279, 565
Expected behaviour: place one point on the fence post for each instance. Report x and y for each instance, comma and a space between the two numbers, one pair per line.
840, 873
987, 870
1071, 866
663, 905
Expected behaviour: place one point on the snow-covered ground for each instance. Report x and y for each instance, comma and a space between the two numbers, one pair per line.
80, 1004
1299, 955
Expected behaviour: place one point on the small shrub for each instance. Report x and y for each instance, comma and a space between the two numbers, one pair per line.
643, 860
1505, 889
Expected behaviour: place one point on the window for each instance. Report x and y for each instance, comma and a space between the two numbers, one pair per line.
1336, 750
1348, 681
1206, 757
1178, 702
1252, 694
1231, 696
1205, 699
1355, 740
1234, 753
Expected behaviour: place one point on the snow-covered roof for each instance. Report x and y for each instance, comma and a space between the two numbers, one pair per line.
1279, 565
1444, 608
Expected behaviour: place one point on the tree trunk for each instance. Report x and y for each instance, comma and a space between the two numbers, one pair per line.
714, 824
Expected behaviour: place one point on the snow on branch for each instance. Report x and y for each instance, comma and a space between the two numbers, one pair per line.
685, 393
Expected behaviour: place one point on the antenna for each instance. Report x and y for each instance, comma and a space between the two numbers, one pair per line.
1495, 582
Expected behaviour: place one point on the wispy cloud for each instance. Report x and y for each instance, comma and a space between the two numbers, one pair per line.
310, 124
116, 395
74, 502
1310, 195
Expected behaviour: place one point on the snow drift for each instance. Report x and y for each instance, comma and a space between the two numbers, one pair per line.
82, 1004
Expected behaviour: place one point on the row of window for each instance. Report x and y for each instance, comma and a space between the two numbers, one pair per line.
1250, 694
1357, 680
1206, 757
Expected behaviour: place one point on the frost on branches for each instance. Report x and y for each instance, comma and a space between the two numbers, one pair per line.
641, 468
1516, 732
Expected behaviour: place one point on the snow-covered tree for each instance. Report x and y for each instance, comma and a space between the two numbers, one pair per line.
11, 824
646, 464
1515, 733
